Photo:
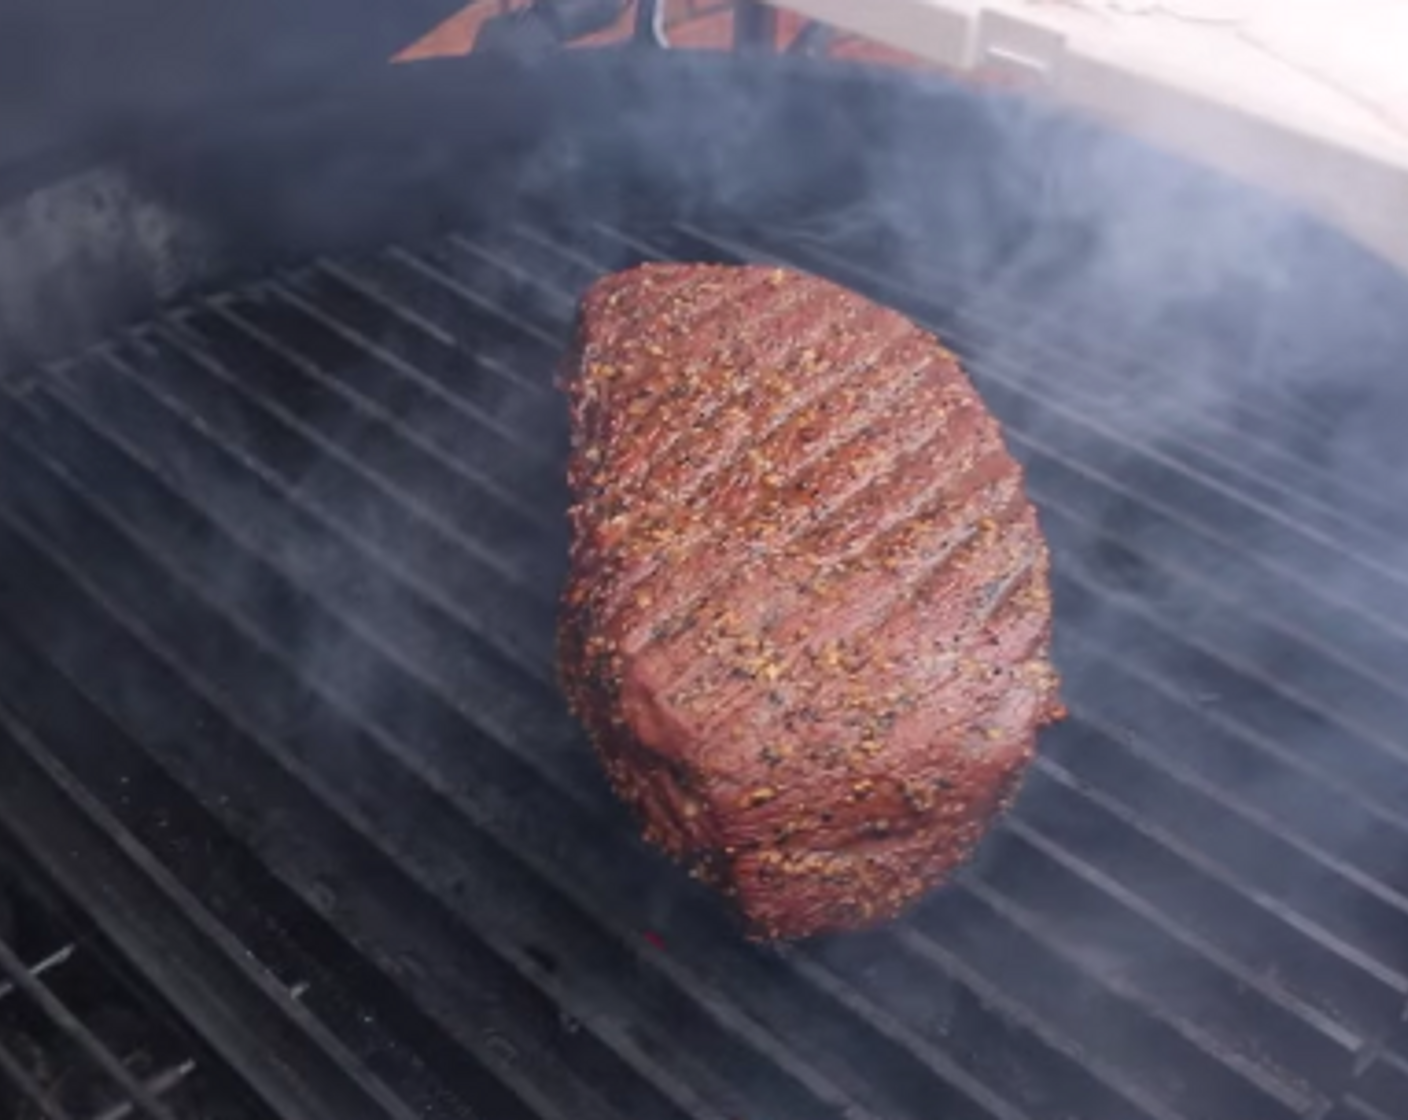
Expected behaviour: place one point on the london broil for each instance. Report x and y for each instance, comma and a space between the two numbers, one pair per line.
808, 620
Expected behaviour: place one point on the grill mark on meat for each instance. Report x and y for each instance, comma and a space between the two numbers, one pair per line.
792, 518
725, 695
936, 495
867, 766
716, 458
841, 535
639, 469
875, 626
821, 325
845, 630
723, 698
930, 575
931, 570
706, 467
683, 540
669, 611
896, 451
899, 597
997, 597
895, 394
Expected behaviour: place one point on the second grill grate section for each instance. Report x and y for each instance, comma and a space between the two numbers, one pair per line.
294, 552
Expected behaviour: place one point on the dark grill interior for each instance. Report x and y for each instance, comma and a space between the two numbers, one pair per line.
278, 588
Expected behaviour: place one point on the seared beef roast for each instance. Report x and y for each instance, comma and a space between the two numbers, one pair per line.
808, 619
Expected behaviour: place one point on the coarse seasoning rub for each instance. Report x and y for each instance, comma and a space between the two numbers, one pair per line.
808, 620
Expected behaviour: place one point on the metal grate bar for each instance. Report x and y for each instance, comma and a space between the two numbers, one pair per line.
1384, 1085
926, 1053
1218, 624
1217, 819
1197, 896
1147, 1098
1277, 1044
1251, 714
268, 432
1089, 497
1212, 649
1156, 1054
1084, 1067
1141, 1025
1352, 1108
231, 774
159, 1086
366, 649
1046, 812
52, 961
459, 301
435, 307
372, 644
1079, 1069
522, 287
1121, 339
34, 789
1363, 911
66, 1021
1173, 978
556, 258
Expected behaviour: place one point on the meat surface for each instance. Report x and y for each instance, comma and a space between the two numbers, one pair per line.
807, 624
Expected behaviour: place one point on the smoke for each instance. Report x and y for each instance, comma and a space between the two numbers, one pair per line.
82, 256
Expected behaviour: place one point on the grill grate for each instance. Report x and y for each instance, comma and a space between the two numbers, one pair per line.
279, 588
80, 1039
